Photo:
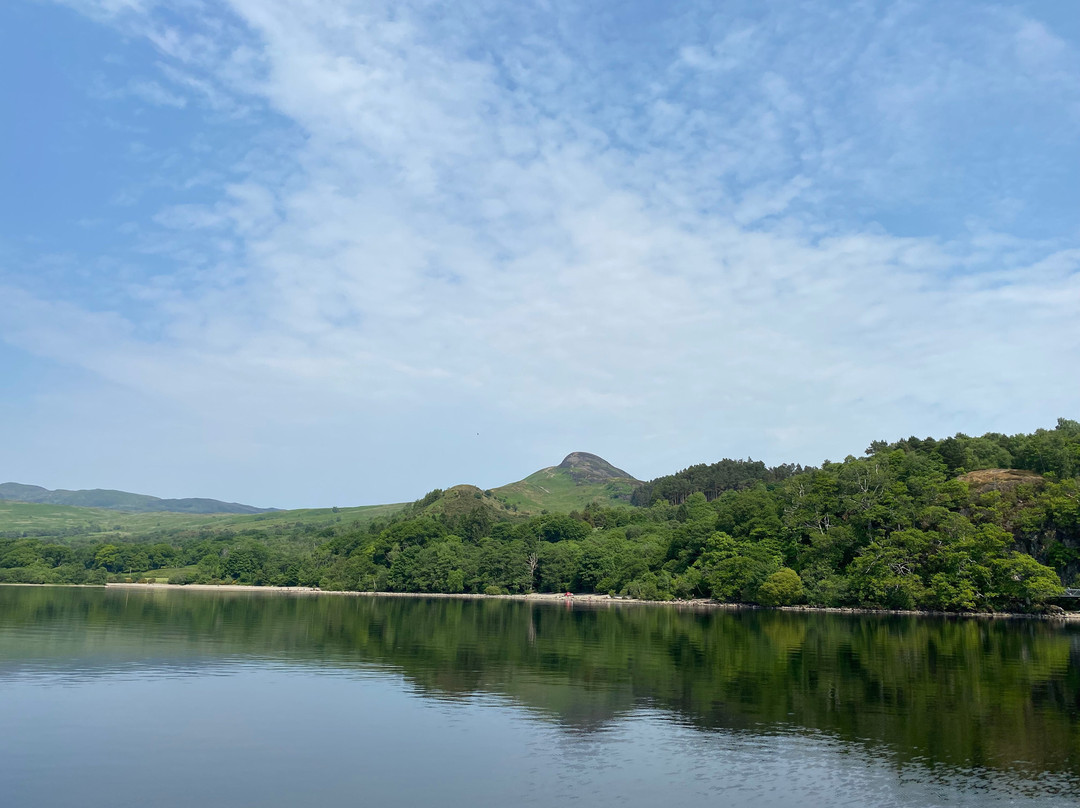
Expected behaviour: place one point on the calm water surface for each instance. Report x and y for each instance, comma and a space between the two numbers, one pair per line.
171, 698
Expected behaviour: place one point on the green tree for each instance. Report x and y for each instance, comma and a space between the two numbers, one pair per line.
782, 588
108, 557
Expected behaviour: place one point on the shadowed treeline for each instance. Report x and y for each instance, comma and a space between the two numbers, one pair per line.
960, 692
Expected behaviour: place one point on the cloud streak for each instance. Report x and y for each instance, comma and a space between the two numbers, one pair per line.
719, 251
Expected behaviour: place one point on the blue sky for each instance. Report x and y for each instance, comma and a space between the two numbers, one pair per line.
341, 253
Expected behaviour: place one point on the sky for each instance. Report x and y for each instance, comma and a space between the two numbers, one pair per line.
340, 253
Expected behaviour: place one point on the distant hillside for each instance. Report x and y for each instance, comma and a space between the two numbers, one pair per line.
581, 478
88, 525
119, 500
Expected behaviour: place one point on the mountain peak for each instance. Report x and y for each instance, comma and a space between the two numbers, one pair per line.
589, 468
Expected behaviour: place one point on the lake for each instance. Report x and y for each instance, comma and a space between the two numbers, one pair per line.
177, 698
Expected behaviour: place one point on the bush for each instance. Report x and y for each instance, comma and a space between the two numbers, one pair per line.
782, 588
648, 587
494, 590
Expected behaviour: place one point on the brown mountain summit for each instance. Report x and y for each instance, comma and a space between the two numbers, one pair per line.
589, 468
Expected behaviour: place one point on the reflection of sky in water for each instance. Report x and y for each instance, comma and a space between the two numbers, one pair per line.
270, 702
270, 735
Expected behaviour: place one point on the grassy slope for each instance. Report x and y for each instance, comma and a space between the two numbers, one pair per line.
553, 489
463, 499
92, 524
549, 489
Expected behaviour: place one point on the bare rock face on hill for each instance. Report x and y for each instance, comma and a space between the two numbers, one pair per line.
589, 468
1000, 479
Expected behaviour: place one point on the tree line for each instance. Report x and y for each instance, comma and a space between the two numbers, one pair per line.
711, 480
906, 526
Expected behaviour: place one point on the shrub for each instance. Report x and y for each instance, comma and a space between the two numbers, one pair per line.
782, 588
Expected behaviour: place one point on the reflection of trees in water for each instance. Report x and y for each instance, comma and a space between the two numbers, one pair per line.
953, 691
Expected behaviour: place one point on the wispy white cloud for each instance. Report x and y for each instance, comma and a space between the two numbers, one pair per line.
149, 91
111, 9
678, 264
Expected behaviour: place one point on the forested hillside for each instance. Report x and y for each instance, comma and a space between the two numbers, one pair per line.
957, 524
711, 480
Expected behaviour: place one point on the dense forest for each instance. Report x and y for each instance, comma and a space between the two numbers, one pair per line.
711, 480
960, 524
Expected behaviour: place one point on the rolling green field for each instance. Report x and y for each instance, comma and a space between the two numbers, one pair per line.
96, 524
580, 480
551, 490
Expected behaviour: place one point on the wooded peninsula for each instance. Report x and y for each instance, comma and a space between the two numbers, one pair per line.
988, 523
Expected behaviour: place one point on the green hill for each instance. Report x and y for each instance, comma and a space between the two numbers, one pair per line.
119, 500
100, 515
464, 499
580, 479
90, 525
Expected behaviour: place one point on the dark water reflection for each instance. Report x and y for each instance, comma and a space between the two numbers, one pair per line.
237, 699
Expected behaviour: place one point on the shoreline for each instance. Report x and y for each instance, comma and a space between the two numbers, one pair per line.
700, 604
